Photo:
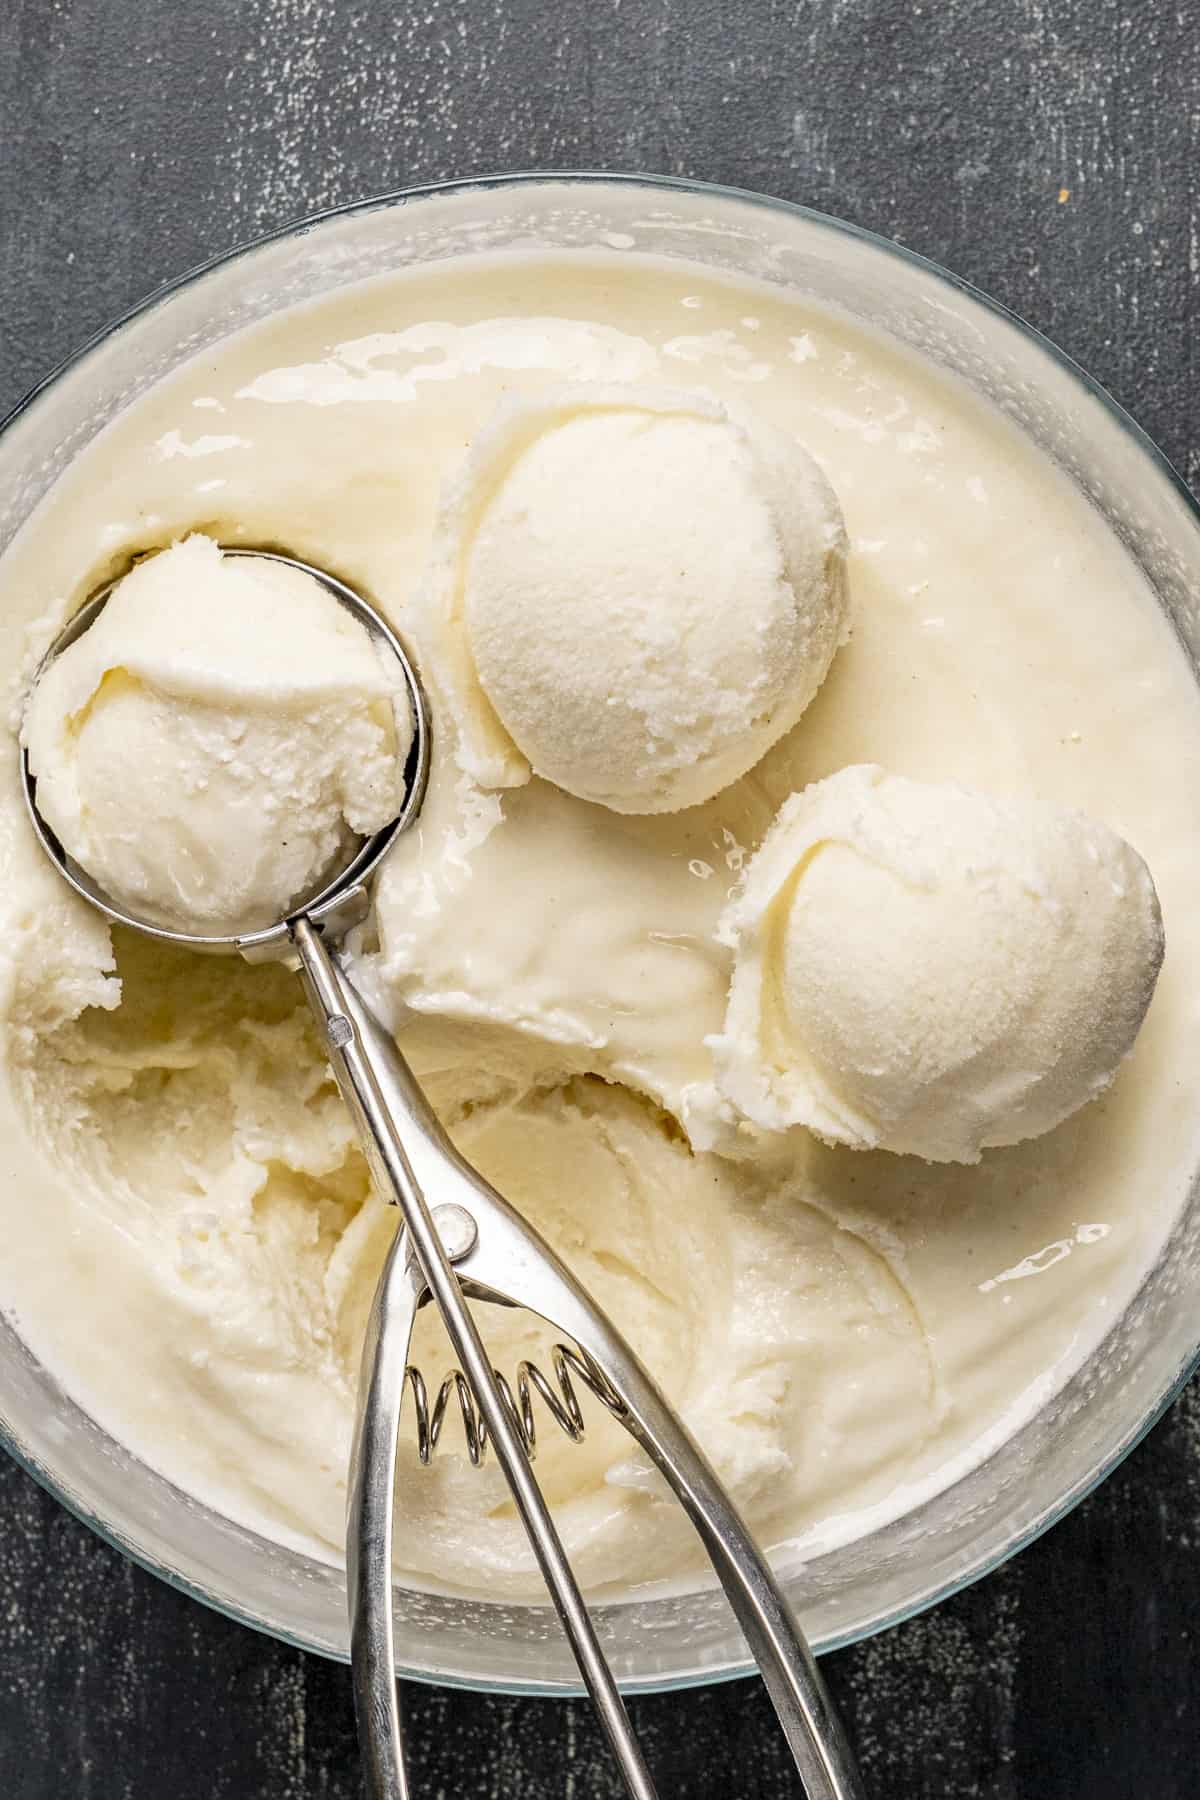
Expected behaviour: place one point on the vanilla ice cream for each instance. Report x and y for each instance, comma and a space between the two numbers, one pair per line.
931, 970
648, 588
190, 1234
217, 742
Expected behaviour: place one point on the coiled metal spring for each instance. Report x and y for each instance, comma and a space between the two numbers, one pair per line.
559, 1397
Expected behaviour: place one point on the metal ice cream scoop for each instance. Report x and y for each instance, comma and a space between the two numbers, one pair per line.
461, 1240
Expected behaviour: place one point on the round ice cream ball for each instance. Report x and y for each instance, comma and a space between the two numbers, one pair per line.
218, 741
932, 971
650, 591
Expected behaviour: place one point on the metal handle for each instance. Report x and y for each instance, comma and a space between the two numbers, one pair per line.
372, 1509
802, 1704
363, 1058
511, 1261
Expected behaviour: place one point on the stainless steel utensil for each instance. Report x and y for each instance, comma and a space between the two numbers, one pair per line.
469, 1244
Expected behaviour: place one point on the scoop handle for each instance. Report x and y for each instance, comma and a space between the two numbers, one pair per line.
384, 1101
370, 1520
505, 1258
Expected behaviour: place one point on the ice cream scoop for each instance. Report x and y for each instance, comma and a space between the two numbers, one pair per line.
639, 590
470, 1243
219, 740
930, 970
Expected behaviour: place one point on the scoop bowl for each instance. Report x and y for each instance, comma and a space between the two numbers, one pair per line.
340, 901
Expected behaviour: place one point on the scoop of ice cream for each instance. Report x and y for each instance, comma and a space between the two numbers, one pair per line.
217, 741
932, 971
639, 592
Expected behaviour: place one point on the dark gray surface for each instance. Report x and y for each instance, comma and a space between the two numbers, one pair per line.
1047, 149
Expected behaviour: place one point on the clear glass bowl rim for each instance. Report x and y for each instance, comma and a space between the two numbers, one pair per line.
651, 183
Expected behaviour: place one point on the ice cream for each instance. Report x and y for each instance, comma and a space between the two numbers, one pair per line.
930, 970
641, 589
215, 744
190, 1235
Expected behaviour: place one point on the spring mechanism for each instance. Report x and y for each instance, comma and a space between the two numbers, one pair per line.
559, 1397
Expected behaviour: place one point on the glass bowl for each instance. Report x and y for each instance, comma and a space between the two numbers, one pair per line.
1084, 1431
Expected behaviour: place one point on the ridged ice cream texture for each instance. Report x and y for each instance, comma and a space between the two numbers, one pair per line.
930, 970
640, 592
218, 741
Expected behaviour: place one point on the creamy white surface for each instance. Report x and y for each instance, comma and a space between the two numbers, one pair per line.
189, 1237
219, 741
634, 594
929, 970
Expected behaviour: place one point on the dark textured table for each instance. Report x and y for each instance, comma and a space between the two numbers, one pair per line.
1047, 149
